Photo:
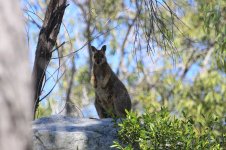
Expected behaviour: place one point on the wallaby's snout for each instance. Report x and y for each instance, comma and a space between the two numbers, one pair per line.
98, 61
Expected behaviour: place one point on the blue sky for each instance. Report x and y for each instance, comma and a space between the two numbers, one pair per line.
72, 15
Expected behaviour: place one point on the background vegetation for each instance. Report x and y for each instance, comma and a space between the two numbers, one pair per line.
169, 53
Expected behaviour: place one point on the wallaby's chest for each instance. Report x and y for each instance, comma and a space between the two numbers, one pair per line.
99, 74
99, 78
103, 94
102, 77
105, 97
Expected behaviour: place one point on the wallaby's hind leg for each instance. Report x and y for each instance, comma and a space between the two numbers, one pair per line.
100, 110
122, 103
119, 111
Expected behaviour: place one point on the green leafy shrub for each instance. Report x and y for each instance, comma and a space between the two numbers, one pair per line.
161, 130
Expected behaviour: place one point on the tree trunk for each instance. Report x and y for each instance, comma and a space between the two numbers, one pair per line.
46, 42
89, 37
15, 93
71, 109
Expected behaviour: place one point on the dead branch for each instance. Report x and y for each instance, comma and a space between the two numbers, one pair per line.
46, 42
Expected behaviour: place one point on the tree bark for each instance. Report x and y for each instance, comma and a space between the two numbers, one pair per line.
15, 82
46, 42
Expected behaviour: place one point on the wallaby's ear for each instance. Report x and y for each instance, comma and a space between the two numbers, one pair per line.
104, 48
93, 49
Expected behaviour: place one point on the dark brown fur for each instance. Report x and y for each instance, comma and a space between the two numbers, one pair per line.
111, 96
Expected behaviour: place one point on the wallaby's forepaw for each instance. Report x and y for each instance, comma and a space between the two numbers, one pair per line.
93, 81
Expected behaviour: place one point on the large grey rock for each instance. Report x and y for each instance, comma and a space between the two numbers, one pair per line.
67, 133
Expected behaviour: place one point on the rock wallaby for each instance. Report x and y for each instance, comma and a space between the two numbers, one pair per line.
111, 96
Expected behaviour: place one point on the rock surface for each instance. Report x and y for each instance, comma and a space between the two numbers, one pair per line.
67, 133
